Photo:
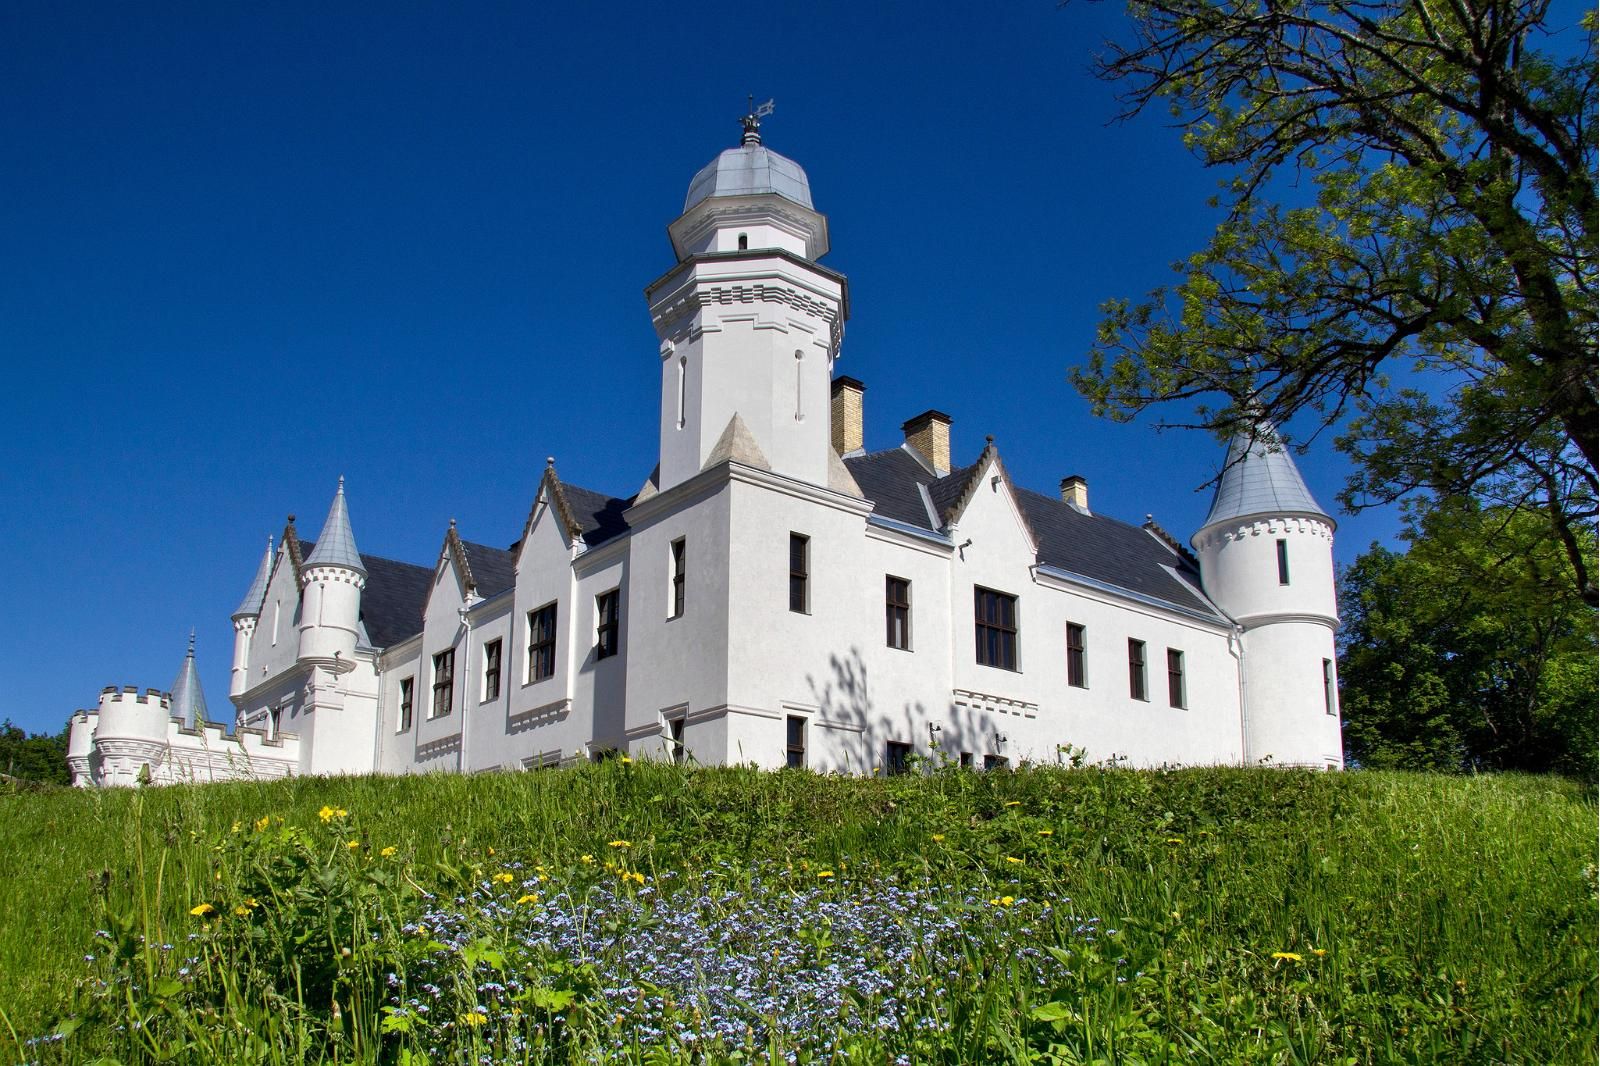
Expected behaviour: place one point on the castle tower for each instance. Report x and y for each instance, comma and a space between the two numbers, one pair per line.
749, 323
331, 581
1266, 559
188, 702
245, 617
130, 735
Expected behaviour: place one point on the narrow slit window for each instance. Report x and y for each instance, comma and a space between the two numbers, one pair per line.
799, 573
1077, 666
491, 671
680, 564
407, 687
1330, 699
683, 388
1175, 691
799, 385
1283, 562
795, 742
675, 731
897, 612
608, 613
1137, 688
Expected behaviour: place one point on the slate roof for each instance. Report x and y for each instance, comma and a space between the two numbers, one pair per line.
1262, 481
250, 606
336, 543
493, 569
391, 605
1094, 546
188, 700
599, 516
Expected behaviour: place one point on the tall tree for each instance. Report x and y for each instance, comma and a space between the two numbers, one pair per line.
36, 757
1429, 285
1470, 650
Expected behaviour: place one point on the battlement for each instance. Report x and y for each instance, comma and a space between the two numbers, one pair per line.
130, 694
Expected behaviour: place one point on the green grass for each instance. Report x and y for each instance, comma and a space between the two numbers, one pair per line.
1434, 918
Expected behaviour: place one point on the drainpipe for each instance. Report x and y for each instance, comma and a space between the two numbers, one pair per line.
466, 686
1236, 640
383, 686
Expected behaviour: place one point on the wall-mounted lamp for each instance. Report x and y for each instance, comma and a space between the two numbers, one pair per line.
1000, 738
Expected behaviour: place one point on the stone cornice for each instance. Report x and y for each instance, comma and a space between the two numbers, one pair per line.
1237, 529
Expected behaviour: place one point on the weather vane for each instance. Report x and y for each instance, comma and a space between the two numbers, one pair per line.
752, 120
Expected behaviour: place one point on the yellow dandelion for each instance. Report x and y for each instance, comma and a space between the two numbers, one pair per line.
1319, 952
938, 838
1288, 956
1013, 858
241, 910
250, 901
503, 878
529, 898
1006, 901
262, 823
636, 876
474, 1018
587, 860
352, 844
236, 827
620, 844
625, 761
201, 910
491, 853
389, 851
326, 814
823, 875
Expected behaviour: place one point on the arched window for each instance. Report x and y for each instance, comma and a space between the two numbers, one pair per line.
744, 241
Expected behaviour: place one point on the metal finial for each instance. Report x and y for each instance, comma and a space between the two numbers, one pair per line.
452, 523
752, 122
989, 439
549, 460
191, 642
291, 520
341, 482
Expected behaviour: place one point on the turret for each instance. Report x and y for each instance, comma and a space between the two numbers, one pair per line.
130, 735
80, 748
749, 323
188, 702
331, 580
245, 617
1266, 559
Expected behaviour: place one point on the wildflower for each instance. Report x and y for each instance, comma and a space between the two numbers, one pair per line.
474, 1018
625, 761
201, 910
1013, 858
1319, 952
491, 853
388, 852
503, 878
587, 860
620, 844
636, 876
328, 814
938, 838
241, 910
823, 875
262, 822
1289, 956
529, 898
1174, 840
250, 901
1047, 832
236, 827
1002, 901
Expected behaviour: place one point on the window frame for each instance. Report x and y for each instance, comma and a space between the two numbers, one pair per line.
799, 573
795, 750
896, 758
897, 610
1138, 676
1004, 636
1177, 689
1077, 655
444, 684
408, 697
678, 556
493, 665
994, 761
1283, 561
541, 664
608, 623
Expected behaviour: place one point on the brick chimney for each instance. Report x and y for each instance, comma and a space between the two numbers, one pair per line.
1075, 492
929, 434
846, 414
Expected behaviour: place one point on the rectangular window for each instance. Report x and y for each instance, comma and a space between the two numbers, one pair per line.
1136, 683
491, 671
897, 612
1330, 700
542, 643
1175, 695
679, 565
407, 686
799, 573
675, 731
1077, 666
966, 760
897, 758
1283, 562
995, 762
607, 612
444, 682
795, 743
995, 617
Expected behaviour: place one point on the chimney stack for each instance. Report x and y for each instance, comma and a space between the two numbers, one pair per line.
1075, 493
929, 434
848, 436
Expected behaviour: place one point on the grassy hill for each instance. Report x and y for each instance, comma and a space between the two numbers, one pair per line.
654, 914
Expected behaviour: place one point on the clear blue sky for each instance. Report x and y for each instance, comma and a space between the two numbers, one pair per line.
245, 249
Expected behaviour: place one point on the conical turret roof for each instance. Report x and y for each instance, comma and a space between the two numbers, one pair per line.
188, 702
336, 544
1260, 478
250, 606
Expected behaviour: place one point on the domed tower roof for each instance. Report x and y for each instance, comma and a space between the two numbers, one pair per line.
188, 702
750, 170
1260, 481
336, 544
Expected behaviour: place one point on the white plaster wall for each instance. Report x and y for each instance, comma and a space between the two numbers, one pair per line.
338, 737
1287, 716
1239, 562
397, 749
599, 686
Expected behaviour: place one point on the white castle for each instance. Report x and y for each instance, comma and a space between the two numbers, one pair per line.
775, 593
